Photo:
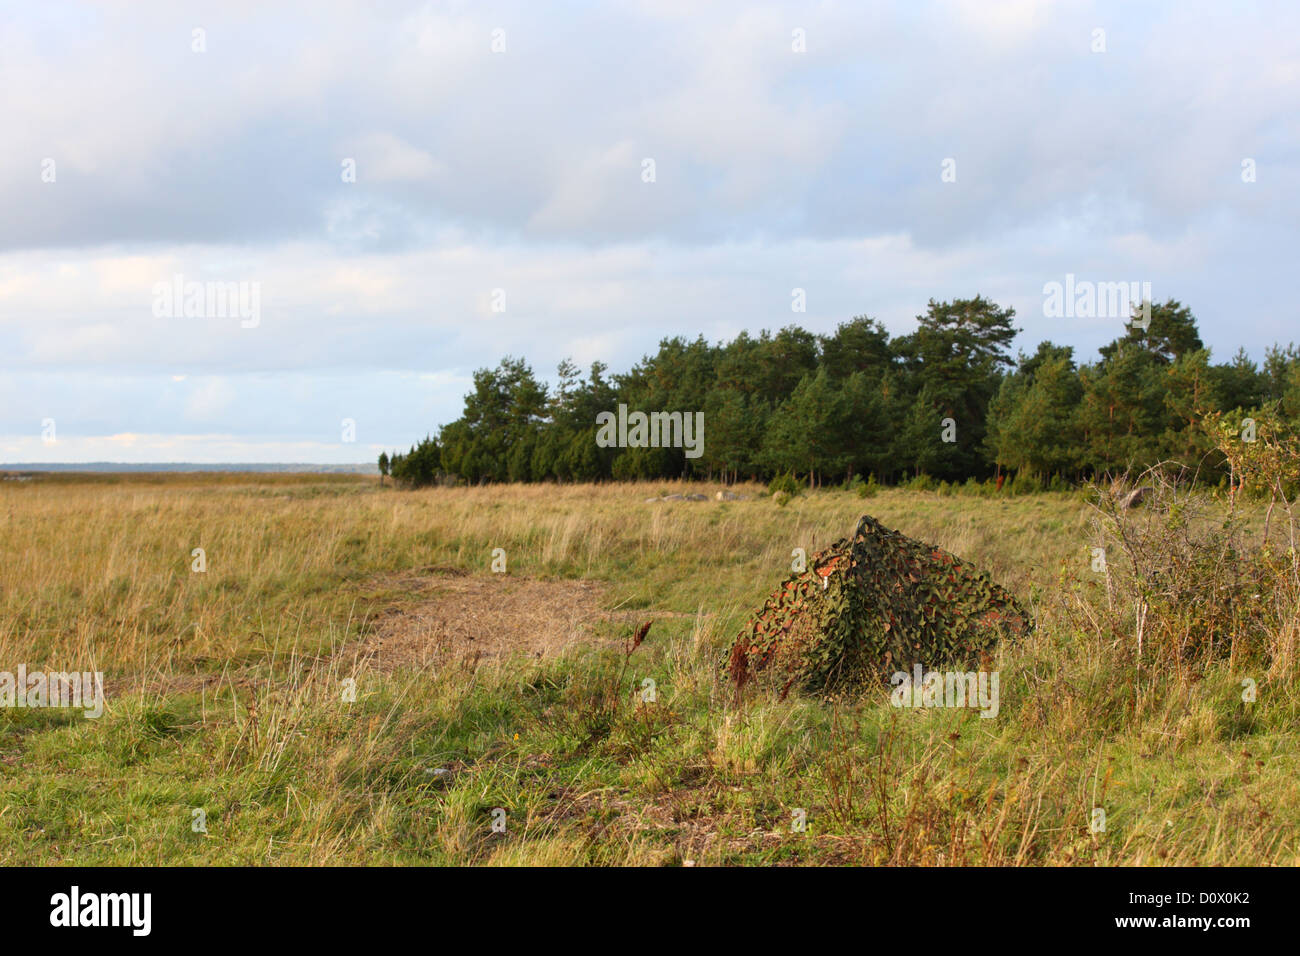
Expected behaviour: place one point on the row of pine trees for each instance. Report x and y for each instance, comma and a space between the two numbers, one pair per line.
948, 401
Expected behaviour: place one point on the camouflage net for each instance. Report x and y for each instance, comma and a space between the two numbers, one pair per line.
868, 606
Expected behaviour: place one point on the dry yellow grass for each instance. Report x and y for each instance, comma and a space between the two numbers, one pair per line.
227, 689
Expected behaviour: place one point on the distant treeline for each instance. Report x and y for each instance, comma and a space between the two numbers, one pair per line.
946, 401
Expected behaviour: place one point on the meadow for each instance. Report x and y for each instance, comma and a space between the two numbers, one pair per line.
348, 681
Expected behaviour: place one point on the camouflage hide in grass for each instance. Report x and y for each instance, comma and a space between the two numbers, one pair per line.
869, 606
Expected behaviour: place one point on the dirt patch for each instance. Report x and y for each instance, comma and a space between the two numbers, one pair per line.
443, 616
460, 617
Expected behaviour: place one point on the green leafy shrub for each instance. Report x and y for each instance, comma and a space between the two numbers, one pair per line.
921, 482
869, 488
786, 483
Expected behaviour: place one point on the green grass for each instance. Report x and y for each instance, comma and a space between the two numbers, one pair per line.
227, 694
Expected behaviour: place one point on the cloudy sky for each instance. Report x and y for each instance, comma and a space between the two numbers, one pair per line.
503, 202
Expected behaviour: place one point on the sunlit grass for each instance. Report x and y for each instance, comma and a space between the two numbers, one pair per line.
228, 695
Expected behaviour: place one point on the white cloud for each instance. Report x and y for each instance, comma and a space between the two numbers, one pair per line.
522, 171
385, 158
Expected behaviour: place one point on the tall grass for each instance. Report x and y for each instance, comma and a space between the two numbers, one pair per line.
228, 694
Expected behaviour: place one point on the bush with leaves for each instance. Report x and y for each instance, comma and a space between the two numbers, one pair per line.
1191, 575
786, 483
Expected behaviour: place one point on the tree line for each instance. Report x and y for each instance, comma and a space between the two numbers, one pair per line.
947, 401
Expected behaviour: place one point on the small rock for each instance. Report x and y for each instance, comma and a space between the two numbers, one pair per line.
697, 497
442, 777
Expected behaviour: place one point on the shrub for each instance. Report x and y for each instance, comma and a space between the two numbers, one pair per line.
786, 483
1025, 483
1191, 579
921, 482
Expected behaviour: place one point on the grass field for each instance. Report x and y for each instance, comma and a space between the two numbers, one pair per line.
229, 690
